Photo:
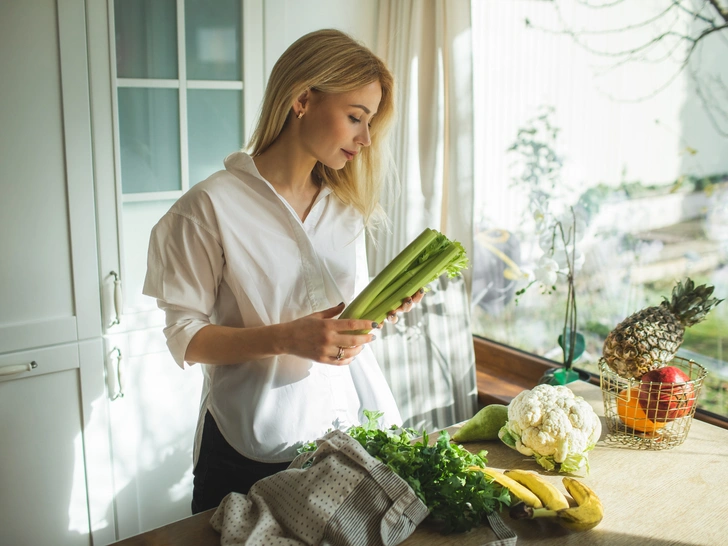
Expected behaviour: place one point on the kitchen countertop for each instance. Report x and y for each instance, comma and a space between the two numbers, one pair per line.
675, 496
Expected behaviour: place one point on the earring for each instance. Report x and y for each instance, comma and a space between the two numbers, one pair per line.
300, 115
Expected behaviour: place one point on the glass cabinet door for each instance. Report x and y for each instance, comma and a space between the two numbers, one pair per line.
212, 40
169, 105
149, 140
213, 122
146, 39
178, 104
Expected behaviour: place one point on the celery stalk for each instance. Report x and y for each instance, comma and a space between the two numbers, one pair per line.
420, 263
397, 283
403, 260
425, 256
425, 276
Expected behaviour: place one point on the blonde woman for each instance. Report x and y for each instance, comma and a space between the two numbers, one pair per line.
253, 265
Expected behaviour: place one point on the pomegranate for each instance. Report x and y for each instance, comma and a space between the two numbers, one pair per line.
666, 394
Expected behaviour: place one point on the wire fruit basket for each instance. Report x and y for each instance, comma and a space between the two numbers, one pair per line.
649, 415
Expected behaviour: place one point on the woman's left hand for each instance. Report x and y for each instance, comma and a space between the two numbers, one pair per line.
406, 306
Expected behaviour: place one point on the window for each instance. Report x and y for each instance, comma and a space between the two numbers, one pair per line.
629, 144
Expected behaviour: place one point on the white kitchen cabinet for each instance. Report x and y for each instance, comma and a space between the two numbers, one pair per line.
42, 454
168, 104
48, 247
43, 488
152, 428
55, 481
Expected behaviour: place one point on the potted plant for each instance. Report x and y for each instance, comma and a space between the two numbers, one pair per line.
558, 232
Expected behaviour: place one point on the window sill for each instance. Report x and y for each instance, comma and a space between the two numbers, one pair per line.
502, 372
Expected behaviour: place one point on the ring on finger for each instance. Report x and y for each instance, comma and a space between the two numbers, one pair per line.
340, 354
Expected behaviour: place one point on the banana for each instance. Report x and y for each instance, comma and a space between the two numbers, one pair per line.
522, 492
586, 515
589, 511
550, 496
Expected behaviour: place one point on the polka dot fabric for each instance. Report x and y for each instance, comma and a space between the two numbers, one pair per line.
346, 497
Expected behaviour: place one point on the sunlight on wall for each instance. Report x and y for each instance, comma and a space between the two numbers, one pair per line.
147, 423
181, 490
78, 520
95, 472
152, 434
151, 438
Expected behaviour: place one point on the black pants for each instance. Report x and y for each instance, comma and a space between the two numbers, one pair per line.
221, 470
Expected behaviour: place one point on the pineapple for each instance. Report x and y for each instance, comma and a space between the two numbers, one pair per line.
650, 338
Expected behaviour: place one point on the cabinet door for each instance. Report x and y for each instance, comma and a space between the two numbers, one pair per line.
168, 105
153, 418
49, 294
48, 278
43, 497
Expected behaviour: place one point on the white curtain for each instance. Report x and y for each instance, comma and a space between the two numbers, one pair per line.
427, 45
428, 355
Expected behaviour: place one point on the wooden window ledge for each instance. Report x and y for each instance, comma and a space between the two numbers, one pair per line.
502, 372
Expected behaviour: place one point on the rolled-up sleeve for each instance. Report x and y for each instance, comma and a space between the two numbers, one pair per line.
184, 269
181, 326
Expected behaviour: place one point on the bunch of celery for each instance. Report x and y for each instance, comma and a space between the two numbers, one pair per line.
421, 262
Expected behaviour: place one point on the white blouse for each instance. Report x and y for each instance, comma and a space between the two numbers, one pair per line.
232, 251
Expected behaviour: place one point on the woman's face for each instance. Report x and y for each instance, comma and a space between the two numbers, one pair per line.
336, 126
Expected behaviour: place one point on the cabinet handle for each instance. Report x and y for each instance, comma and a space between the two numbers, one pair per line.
116, 353
118, 301
18, 368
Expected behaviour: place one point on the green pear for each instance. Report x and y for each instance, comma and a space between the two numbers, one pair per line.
484, 425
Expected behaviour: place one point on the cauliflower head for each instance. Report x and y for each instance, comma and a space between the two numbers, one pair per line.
554, 426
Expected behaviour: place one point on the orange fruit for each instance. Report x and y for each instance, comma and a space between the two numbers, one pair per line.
632, 414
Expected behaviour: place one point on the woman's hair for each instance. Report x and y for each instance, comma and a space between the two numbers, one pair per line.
330, 61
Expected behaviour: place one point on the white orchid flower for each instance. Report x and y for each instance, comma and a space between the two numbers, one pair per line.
546, 271
527, 275
539, 206
539, 216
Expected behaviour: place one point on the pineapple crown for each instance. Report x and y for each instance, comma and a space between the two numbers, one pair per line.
690, 304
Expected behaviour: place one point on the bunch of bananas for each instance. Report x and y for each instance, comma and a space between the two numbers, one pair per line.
539, 498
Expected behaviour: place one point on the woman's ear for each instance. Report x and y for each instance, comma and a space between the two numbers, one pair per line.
301, 102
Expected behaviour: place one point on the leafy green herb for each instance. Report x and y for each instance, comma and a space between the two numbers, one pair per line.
458, 498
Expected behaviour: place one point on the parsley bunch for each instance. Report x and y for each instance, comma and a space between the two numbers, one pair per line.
457, 498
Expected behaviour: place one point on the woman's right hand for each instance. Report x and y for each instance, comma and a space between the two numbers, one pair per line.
321, 337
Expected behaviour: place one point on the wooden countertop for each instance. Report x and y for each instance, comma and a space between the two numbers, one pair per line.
675, 496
